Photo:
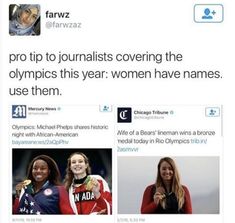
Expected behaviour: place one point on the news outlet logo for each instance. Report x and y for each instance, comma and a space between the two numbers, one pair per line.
124, 115
18, 111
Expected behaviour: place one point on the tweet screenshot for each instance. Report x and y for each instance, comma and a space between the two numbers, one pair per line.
50, 143
116, 111
169, 148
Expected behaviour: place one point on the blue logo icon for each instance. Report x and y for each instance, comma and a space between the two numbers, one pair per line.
208, 13
105, 108
18, 111
212, 112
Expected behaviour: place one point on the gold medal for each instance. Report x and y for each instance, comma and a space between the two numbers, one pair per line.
26, 182
89, 184
87, 179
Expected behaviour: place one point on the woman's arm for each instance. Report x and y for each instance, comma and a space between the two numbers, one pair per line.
187, 201
64, 203
148, 205
104, 201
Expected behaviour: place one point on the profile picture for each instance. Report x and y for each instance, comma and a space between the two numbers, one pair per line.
24, 20
62, 181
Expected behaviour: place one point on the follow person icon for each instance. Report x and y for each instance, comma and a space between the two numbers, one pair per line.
207, 14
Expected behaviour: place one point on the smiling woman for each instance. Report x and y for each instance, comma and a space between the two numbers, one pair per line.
167, 195
41, 193
88, 194
23, 19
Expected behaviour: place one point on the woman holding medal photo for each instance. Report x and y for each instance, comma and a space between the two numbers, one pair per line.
42, 193
167, 195
88, 194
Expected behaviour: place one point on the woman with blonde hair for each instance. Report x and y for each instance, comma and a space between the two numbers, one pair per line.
167, 195
88, 194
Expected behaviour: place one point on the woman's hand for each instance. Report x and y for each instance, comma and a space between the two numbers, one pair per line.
159, 195
94, 186
19, 187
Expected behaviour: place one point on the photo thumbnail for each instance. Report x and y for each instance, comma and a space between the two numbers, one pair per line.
169, 185
62, 181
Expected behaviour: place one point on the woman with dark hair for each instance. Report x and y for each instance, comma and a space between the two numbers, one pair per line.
167, 195
23, 20
42, 193
88, 194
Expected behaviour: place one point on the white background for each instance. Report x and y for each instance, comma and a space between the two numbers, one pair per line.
130, 26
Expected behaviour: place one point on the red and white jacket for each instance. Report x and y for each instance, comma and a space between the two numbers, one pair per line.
83, 201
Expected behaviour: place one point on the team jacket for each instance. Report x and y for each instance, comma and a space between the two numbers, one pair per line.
84, 202
49, 200
149, 207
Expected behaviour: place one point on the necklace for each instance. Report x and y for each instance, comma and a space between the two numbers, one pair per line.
79, 181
